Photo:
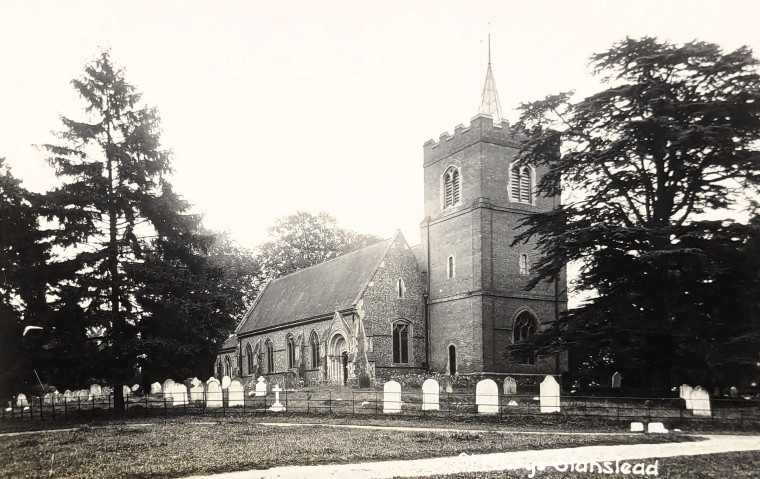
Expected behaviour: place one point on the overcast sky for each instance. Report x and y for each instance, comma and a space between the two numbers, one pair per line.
272, 107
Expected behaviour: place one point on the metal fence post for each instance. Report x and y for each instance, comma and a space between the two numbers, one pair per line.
329, 401
166, 413
353, 402
146, 405
376, 403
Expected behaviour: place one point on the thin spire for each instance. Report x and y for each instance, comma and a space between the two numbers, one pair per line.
489, 101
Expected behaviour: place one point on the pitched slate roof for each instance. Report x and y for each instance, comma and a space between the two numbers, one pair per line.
230, 343
316, 291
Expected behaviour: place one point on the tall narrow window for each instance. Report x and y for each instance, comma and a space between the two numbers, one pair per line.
451, 187
452, 360
525, 327
524, 265
249, 358
401, 343
450, 267
520, 184
227, 366
291, 347
314, 342
270, 356
400, 288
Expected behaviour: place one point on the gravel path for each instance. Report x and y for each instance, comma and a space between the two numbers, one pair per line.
613, 457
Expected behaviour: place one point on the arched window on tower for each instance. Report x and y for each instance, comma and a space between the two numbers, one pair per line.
314, 343
249, 358
524, 265
401, 330
525, 327
291, 347
451, 187
521, 184
269, 347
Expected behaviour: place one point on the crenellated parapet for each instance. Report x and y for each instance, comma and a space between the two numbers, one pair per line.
482, 128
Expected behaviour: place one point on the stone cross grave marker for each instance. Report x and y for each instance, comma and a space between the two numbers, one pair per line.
155, 388
616, 379
261, 387
213, 393
391, 397
430, 394
685, 392
277, 406
510, 386
549, 401
236, 393
226, 382
700, 400
487, 397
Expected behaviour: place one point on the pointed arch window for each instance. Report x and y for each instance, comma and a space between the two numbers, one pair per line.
525, 327
400, 289
291, 348
269, 347
401, 334
249, 358
521, 184
451, 187
314, 343
524, 265
227, 366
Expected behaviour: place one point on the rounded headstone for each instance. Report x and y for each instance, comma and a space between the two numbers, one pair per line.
226, 382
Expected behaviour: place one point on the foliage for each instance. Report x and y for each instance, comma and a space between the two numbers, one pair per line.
305, 239
649, 163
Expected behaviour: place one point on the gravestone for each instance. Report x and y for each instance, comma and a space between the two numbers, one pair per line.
637, 427
685, 392
487, 397
430, 394
68, 396
235, 393
106, 391
83, 395
261, 387
135, 388
21, 400
513, 403
196, 392
95, 390
155, 388
391, 397
277, 406
167, 386
364, 381
195, 382
733, 392
549, 400
126, 391
700, 400
447, 385
226, 382
510, 386
179, 394
47, 399
291, 380
656, 428
616, 379
213, 393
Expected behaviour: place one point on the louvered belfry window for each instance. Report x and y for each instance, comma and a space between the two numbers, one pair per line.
520, 184
451, 187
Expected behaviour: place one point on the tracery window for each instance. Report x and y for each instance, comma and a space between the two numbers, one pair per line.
249, 358
270, 355
451, 187
314, 342
525, 327
521, 184
524, 265
401, 342
291, 348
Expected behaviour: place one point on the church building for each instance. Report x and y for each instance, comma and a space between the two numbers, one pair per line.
449, 305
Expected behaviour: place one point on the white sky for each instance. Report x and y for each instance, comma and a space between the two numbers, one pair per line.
272, 107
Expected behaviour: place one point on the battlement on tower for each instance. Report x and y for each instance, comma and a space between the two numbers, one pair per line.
482, 128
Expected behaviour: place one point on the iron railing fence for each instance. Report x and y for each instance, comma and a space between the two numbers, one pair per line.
374, 403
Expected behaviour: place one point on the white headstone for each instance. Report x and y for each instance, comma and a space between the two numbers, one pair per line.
167, 386
685, 392
236, 396
733, 392
179, 394
637, 427
549, 395
95, 390
261, 387
213, 393
391, 397
226, 382
700, 401
430, 393
656, 428
68, 396
510, 386
196, 392
196, 381
487, 397
126, 390
135, 388
616, 380
277, 406
513, 403
155, 388
47, 399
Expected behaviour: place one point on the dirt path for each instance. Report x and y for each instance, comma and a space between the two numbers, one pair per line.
602, 457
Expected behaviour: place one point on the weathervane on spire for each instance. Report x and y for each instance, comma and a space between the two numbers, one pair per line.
489, 101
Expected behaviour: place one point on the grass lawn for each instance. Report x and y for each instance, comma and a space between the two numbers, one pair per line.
173, 447
719, 466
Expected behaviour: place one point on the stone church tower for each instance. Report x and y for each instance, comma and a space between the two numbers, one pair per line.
474, 197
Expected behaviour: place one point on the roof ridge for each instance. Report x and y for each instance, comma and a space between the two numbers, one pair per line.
391, 241
329, 260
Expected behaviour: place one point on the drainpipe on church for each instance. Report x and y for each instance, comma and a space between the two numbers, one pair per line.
426, 296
